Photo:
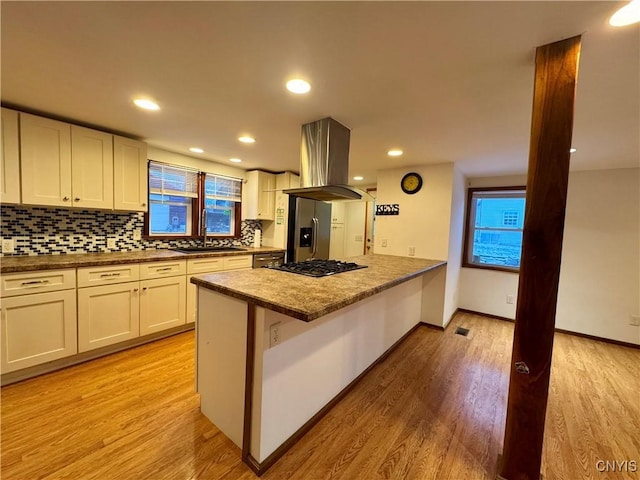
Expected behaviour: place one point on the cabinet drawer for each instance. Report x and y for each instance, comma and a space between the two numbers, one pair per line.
37, 282
163, 269
239, 261
205, 265
94, 276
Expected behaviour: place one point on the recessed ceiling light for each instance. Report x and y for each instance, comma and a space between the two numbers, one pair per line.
395, 153
247, 139
571, 150
627, 15
196, 150
358, 178
146, 104
235, 160
298, 86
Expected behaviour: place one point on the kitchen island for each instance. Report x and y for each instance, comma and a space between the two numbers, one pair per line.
275, 350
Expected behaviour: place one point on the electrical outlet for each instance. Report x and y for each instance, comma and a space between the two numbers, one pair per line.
412, 251
510, 299
137, 235
111, 243
635, 320
8, 245
274, 334
384, 243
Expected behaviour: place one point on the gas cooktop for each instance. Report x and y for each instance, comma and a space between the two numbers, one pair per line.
318, 268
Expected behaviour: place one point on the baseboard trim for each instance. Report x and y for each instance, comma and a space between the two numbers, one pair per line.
439, 327
260, 467
434, 327
560, 330
489, 315
599, 339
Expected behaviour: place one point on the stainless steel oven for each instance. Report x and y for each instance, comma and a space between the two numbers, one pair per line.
274, 259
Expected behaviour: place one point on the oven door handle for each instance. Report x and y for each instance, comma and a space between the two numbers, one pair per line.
316, 227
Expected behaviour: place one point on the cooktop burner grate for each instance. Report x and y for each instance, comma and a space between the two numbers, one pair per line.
318, 268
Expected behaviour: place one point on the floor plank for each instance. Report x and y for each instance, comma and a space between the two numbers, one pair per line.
434, 409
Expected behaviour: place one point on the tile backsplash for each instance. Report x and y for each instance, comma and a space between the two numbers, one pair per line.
45, 231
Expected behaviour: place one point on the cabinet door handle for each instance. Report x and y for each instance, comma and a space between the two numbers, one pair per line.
144, 204
76, 199
35, 283
135, 289
65, 199
144, 289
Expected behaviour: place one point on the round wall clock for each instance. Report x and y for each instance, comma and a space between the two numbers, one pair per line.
411, 183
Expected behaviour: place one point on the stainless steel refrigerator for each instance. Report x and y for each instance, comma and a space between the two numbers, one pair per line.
309, 229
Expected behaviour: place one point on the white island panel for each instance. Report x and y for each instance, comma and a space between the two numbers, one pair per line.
221, 360
314, 362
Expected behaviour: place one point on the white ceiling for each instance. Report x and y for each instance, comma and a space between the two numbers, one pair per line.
444, 81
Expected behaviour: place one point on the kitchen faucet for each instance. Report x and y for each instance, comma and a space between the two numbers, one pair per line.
203, 219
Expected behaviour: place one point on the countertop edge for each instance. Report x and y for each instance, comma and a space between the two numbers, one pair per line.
33, 263
308, 317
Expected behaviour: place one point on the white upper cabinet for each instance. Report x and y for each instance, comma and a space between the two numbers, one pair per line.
337, 212
66, 165
45, 161
258, 196
130, 174
10, 158
91, 168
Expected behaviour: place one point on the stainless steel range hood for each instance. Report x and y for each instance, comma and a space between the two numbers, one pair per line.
324, 163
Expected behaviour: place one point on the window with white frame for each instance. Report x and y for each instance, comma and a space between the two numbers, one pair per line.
494, 225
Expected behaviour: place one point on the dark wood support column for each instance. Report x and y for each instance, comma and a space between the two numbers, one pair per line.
551, 129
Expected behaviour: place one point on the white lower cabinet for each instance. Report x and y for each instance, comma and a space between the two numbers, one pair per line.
38, 318
108, 314
116, 308
162, 304
51, 314
38, 328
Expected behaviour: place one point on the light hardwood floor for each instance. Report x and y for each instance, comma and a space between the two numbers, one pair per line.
433, 410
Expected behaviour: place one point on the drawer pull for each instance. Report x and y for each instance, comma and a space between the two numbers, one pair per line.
108, 275
35, 283
165, 269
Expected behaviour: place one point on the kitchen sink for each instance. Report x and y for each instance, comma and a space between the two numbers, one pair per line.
207, 249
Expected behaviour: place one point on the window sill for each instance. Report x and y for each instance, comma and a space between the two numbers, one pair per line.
498, 268
197, 238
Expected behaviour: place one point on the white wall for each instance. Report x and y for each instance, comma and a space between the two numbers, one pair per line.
430, 221
354, 228
600, 272
165, 156
456, 233
424, 218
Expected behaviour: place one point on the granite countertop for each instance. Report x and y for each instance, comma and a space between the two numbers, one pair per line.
308, 298
53, 262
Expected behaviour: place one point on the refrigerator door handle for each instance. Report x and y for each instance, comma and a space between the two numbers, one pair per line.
316, 229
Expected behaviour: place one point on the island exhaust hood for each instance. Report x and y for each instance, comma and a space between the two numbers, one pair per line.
324, 163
